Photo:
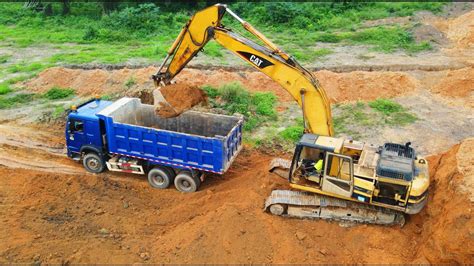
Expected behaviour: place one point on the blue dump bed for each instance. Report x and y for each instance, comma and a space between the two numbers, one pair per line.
197, 140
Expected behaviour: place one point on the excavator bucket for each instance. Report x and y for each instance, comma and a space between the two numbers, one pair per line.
280, 167
162, 107
172, 100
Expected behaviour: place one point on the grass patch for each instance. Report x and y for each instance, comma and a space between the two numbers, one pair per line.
348, 118
292, 133
58, 112
25, 67
309, 55
385, 106
387, 39
15, 100
232, 98
394, 113
57, 93
4, 88
356, 119
4, 58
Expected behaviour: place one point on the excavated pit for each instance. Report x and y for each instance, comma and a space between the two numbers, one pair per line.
58, 216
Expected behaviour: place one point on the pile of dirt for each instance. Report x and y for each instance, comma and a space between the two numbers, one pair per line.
178, 98
365, 86
456, 83
461, 30
352, 86
90, 82
446, 225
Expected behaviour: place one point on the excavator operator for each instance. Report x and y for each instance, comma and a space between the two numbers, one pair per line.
319, 164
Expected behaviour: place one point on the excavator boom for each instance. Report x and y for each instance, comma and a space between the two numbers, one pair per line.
269, 59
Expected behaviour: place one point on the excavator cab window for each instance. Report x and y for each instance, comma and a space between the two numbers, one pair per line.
338, 174
308, 164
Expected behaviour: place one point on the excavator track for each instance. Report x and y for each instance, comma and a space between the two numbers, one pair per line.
308, 205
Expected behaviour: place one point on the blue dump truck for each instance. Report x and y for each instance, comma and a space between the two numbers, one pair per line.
127, 136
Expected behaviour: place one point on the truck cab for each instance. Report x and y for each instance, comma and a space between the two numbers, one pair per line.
84, 130
389, 176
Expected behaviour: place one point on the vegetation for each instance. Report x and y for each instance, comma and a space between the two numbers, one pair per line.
130, 82
393, 113
114, 32
4, 58
57, 93
15, 100
232, 98
354, 119
293, 133
4, 88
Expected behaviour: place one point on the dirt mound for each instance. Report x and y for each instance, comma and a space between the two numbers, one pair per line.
352, 86
179, 98
447, 222
461, 30
456, 83
362, 85
90, 82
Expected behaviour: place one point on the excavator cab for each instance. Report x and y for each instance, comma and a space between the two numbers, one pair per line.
336, 174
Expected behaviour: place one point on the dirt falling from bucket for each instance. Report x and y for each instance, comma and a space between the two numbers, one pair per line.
179, 98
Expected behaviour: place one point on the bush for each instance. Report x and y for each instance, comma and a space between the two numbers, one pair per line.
265, 103
90, 34
57, 93
292, 133
210, 91
142, 19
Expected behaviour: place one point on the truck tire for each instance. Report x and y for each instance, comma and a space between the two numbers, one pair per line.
93, 163
160, 177
185, 182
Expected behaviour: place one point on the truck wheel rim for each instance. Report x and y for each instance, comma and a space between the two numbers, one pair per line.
159, 180
186, 184
93, 163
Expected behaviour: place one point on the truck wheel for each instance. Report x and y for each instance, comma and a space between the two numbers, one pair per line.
185, 182
93, 163
160, 177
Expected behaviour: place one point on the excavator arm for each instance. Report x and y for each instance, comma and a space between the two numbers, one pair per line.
269, 59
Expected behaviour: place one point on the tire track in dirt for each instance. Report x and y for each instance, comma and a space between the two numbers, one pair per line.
34, 149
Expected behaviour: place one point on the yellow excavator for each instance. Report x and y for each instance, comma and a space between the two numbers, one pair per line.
333, 178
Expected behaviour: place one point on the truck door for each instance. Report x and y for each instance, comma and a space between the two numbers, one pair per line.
338, 174
75, 134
